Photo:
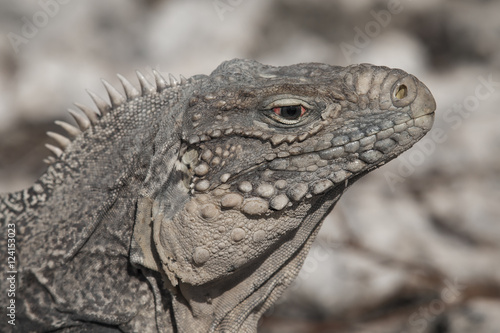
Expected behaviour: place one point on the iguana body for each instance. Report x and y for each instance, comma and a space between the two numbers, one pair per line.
190, 207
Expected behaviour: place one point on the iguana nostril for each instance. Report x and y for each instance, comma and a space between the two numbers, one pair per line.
401, 92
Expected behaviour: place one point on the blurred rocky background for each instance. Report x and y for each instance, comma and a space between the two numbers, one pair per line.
413, 247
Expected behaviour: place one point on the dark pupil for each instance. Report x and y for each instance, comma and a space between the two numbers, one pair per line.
291, 112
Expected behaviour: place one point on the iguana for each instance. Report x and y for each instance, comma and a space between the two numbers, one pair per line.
190, 205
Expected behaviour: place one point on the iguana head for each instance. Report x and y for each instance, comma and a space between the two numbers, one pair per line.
267, 151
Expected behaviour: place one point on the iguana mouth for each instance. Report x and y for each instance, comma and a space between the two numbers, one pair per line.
329, 164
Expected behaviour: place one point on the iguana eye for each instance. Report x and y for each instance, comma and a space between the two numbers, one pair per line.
290, 112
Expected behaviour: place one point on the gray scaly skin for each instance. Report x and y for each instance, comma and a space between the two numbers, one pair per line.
191, 206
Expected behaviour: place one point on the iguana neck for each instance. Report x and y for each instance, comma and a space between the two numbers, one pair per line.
235, 304
108, 162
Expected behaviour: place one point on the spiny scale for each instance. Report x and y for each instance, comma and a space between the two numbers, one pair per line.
61, 140
146, 87
49, 160
93, 117
160, 81
70, 129
116, 98
183, 79
173, 81
101, 104
130, 91
56, 150
82, 122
